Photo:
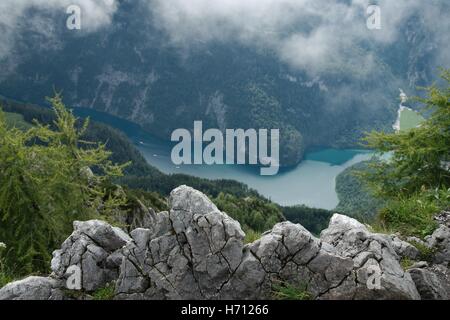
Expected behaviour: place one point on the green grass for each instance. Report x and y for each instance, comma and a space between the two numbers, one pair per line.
410, 216
5, 279
406, 263
426, 253
288, 291
410, 119
251, 236
105, 293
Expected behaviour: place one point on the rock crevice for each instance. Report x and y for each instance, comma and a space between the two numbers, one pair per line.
195, 251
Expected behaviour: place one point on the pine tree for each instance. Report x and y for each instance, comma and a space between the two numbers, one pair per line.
49, 177
415, 179
419, 157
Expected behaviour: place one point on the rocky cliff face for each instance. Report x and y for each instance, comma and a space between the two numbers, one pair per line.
195, 251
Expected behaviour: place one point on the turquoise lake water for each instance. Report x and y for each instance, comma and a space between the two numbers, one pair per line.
312, 182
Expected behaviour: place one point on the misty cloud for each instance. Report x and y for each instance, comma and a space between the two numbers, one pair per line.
94, 13
313, 35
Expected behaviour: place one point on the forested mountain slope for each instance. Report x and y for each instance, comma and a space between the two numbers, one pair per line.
131, 69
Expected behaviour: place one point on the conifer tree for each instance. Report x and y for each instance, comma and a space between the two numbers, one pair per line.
420, 157
49, 177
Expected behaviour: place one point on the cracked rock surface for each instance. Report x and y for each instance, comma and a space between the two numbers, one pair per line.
439, 242
372, 255
433, 283
93, 248
32, 288
195, 251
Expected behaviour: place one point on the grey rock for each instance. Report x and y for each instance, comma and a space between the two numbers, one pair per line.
443, 218
103, 234
419, 264
288, 254
93, 247
432, 283
414, 240
374, 258
189, 253
404, 249
32, 288
439, 242
195, 251
198, 253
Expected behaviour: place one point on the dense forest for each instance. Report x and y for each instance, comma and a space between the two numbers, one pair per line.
311, 218
355, 197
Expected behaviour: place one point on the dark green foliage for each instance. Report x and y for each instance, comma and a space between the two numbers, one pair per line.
418, 155
116, 142
163, 184
406, 263
409, 215
14, 120
122, 150
105, 293
288, 291
152, 200
5, 276
314, 220
253, 213
251, 236
426, 253
46, 184
415, 180
355, 198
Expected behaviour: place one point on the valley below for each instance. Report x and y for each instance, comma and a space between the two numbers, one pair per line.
310, 183
224, 150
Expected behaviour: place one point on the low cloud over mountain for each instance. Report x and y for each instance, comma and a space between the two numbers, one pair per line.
310, 34
15, 15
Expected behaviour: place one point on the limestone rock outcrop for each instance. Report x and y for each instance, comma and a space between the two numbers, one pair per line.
195, 251
94, 251
33, 288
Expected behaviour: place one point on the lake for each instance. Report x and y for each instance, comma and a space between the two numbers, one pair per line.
311, 183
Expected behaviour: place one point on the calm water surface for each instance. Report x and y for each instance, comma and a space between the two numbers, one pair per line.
311, 183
